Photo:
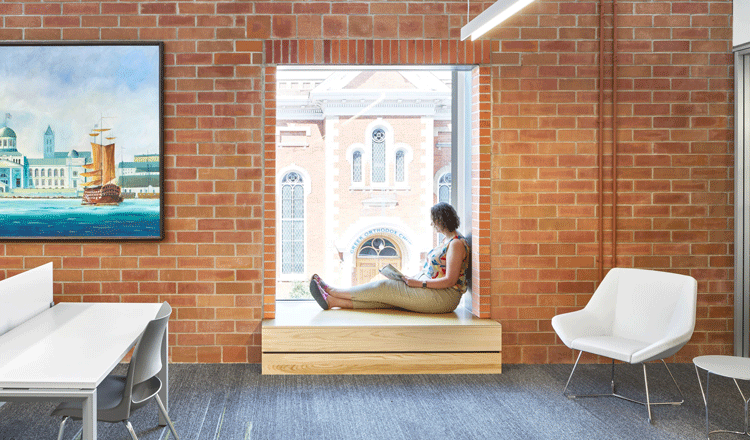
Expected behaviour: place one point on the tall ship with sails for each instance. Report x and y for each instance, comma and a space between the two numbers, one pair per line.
103, 189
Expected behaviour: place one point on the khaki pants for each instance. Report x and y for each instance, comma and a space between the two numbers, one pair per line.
389, 294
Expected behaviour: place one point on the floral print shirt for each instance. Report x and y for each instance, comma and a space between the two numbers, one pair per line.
435, 264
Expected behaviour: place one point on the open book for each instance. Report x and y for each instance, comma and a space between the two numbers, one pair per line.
392, 273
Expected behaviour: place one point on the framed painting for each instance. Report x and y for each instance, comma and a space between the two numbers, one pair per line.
81, 147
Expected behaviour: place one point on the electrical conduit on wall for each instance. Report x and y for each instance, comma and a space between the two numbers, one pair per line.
601, 136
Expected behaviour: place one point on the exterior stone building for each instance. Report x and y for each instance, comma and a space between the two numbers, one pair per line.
361, 158
54, 171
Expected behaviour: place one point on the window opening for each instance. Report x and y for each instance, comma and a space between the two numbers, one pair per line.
378, 247
378, 155
360, 204
444, 188
292, 224
357, 167
400, 166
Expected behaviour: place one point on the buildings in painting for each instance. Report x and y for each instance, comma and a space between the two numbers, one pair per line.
140, 178
361, 156
59, 172
55, 170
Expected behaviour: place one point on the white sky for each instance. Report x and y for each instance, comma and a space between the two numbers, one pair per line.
71, 87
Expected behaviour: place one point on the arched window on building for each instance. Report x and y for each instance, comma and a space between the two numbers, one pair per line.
292, 224
36, 173
43, 173
374, 254
444, 195
400, 166
357, 167
62, 172
378, 155
444, 188
55, 172
378, 247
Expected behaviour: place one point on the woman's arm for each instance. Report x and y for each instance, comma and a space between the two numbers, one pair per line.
453, 259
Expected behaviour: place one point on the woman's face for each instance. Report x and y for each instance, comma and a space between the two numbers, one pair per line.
437, 227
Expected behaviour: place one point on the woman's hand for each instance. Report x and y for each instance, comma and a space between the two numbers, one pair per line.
412, 282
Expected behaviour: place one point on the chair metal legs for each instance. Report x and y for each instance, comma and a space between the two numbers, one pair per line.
166, 417
130, 429
613, 393
164, 413
128, 425
62, 428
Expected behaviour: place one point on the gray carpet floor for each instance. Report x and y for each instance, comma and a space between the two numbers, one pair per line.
525, 402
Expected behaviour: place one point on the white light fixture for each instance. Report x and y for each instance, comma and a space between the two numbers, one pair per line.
493, 16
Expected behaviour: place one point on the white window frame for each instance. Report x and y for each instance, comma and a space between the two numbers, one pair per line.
350, 158
408, 158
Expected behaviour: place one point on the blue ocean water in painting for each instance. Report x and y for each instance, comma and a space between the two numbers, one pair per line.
67, 218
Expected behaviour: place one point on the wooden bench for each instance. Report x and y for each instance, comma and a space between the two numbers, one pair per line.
303, 339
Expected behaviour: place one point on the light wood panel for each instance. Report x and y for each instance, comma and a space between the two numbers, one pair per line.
303, 339
383, 339
298, 314
382, 363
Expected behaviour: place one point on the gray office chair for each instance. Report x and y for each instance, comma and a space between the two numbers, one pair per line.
118, 396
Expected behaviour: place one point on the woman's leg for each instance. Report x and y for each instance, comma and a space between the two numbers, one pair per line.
339, 302
341, 297
394, 294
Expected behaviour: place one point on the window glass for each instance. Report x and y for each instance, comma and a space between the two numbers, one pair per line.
378, 155
292, 224
444, 188
400, 166
378, 143
357, 167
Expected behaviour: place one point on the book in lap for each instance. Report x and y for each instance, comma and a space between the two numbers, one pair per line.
392, 273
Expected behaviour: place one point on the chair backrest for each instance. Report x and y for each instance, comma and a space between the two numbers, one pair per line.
24, 296
650, 304
146, 359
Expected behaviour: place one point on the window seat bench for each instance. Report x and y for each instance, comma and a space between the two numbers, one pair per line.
303, 339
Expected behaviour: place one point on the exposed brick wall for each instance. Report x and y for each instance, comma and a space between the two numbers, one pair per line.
674, 179
538, 161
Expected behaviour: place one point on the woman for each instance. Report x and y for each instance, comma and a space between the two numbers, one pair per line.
437, 288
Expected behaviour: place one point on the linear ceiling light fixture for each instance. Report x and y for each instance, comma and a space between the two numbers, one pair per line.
493, 16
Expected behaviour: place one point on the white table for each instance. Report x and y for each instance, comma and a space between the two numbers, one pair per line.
66, 351
732, 367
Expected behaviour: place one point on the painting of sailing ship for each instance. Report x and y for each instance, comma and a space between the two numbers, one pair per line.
102, 190
81, 143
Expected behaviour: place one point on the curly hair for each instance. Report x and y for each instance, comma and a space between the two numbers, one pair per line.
445, 217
